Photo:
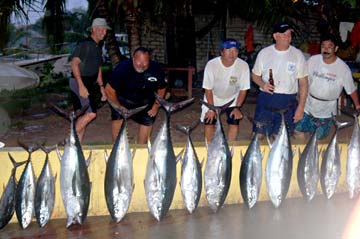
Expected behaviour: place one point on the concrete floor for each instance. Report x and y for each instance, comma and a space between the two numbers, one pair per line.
320, 219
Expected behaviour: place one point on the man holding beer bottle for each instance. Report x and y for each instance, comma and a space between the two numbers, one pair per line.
281, 74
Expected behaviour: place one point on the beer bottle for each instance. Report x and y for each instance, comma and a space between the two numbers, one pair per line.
271, 79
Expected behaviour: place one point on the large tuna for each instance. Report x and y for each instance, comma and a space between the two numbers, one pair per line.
279, 166
160, 179
330, 165
119, 179
25, 192
7, 201
217, 175
191, 177
353, 161
251, 171
75, 185
45, 192
308, 168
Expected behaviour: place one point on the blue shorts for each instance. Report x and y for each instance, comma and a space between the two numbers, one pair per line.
264, 112
230, 119
307, 124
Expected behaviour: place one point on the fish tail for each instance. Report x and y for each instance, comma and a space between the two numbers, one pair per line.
218, 109
29, 148
125, 112
171, 107
188, 128
15, 164
69, 115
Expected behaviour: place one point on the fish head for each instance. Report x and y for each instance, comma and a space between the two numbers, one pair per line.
44, 218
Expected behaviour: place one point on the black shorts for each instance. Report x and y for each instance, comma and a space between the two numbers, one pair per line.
141, 118
230, 119
93, 100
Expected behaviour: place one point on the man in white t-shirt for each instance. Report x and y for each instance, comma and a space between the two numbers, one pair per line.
328, 76
288, 67
226, 78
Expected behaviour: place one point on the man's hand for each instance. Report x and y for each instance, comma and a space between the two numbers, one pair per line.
83, 91
103, 94
236, 114
153, 111
268, 88
299, 114
210, 116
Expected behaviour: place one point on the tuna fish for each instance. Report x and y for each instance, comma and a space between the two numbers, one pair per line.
353, 161
7, 201
217, 175
251, 171
45, 192
308, 168
119, 179
279, 166
330, 165
191, 177
25, 192
75, 184
160, 179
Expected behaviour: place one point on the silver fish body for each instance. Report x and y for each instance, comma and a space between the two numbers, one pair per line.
308, 168
7, 201
45, 194
353, 161
160, 178
330, 167
25, 196
217, 175
251, 173
119, 181
191, 178
279, 166
75, 185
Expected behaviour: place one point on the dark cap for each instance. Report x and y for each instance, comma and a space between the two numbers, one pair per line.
230, 43
281, 27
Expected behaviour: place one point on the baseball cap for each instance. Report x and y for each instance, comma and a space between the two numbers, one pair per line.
281, 27
229, 43
99, 22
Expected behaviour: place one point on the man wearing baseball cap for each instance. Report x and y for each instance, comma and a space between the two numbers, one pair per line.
287, 66
226, 78
86, 83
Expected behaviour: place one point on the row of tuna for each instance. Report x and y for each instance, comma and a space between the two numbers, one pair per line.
160, 178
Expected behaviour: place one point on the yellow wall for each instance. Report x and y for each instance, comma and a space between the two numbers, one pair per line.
138, 203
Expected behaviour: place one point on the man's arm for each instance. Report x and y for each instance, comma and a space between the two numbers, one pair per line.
210, 114
303, 92
239, 102
355, 98
155, 108
111, 95
101, 85
77, 75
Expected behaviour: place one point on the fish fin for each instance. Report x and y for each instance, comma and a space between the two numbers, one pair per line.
58, 153
232, 151
157, 173
300, 153
106, 156
262, 154
133, 153
15, 164
206, 144
202, 162
88, 161
294, 151
241, 155
149, 145
340, 149
268, 140
178, 157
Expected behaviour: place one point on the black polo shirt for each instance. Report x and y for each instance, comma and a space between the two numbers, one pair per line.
90, 55
136, 89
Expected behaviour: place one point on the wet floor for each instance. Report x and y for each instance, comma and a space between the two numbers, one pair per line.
336, 218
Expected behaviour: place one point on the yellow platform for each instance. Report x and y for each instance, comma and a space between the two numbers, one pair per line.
138, 203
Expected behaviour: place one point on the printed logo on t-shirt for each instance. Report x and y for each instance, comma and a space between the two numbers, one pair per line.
291, 67
152, 79
324, 76
233, 80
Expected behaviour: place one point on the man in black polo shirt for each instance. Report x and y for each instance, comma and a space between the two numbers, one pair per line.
86, 83
133, 84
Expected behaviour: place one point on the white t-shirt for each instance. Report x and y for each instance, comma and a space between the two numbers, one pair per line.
326, 82
225, 82
287, 67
